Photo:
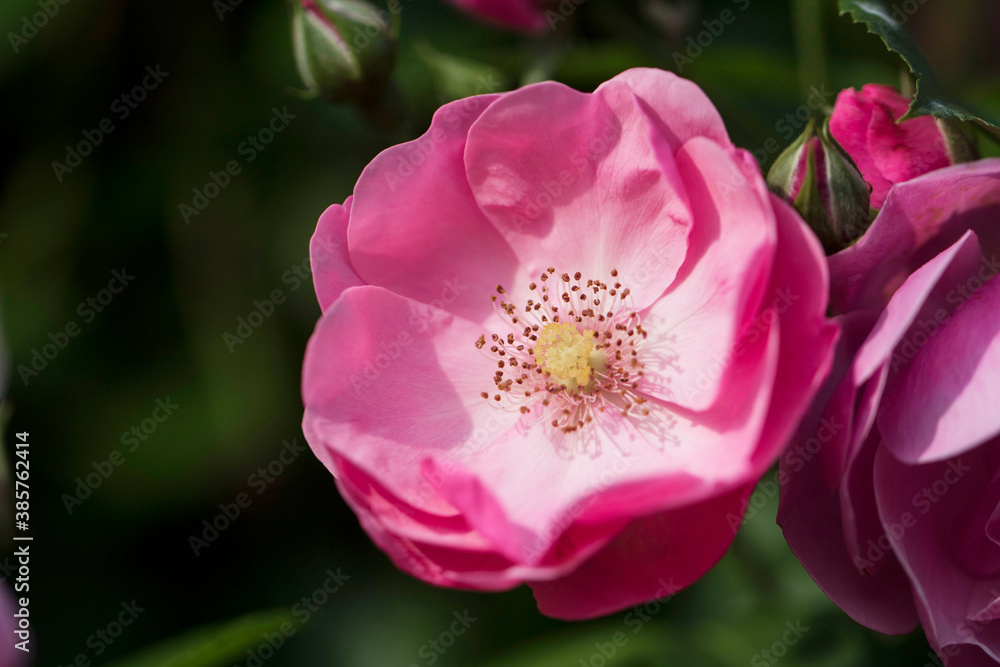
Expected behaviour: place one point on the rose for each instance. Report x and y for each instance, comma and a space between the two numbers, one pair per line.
893, 516
600, 457
519, 15
866, 124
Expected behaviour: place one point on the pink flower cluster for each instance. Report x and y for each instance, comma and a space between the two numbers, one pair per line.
894, 505
563, 335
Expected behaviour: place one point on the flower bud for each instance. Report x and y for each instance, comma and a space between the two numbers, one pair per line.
345, 49
825, 187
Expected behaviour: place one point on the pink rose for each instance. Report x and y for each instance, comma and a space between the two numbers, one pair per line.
605, 458
892, 495
886, 151
520, 15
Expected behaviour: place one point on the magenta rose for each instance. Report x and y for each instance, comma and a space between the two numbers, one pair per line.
893, 492
563, 334
886, 151
519, 15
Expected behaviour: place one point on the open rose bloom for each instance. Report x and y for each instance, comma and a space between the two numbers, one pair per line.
518, 15
893, 501
563, 334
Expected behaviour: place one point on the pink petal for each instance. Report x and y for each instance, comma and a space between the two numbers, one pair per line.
849, 125
331, 265
456, 556
572, 181
415, 227
388, 381
811, 517
837, 406
906, 304
923, 540
965, 655
680, 109
905, 150
944, 401
720, 287
533, 481
798, 295
920, 219
654, 557
525, 15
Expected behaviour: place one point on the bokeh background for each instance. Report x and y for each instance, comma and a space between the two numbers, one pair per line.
227, 66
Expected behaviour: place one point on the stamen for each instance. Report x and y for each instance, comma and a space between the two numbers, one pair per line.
567, 366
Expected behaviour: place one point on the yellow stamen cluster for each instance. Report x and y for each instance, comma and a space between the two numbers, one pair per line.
572, 352
564, 353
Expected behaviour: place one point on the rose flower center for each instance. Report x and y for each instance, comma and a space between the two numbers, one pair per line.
568, 355
568, 362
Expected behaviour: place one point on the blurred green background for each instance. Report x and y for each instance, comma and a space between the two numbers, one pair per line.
162, 336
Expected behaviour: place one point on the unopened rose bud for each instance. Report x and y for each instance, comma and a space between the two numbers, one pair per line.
825, 187
345, 49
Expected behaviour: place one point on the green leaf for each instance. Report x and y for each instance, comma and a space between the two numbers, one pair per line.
930, 98
216, 645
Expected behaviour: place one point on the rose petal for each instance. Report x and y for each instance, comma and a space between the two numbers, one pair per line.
580, 189
328, 257
944, 401
721, 284
654, 557
813, 523
415, 227
920, 219
925, 503
387, 381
